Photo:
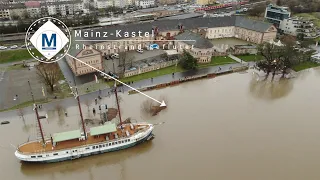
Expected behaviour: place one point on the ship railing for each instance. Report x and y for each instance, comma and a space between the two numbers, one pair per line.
83, 146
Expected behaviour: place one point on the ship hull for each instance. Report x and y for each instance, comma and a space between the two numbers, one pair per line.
134, 141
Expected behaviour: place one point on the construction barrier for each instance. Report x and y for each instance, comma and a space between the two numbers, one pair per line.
211, 75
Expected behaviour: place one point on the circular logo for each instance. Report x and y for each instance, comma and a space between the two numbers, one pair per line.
48, 40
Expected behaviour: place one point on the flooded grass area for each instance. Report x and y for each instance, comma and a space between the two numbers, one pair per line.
305, 65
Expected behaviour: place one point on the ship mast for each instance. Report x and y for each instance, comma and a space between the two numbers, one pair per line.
116, 93
37, 115
79, 105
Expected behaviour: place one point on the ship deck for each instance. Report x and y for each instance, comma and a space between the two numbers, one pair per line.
36, 146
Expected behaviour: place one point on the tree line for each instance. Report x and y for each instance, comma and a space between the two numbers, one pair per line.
281, 58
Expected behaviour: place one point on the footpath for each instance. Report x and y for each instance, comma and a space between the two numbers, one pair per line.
165, 78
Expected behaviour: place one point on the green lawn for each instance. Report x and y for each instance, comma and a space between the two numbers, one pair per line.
305, 65
16, 55
249, 58
219, 60
215, 61
160, 72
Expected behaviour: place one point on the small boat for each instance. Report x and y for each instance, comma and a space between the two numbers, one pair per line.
75, 144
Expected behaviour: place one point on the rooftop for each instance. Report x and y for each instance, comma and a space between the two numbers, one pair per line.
200, 42
107, 128
280, 8
32, 4
191, 23
64, 136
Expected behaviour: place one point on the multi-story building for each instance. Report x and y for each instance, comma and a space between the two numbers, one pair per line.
200, 48
200, 29
5, 12
294, 26
18, 9
33, 8
144, 3
64, 7
275, 14
102, 4
90, 56
120, 3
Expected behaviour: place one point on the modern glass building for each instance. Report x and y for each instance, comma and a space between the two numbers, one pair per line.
275, 14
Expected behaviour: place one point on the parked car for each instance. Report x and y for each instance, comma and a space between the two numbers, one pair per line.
14, 47
113, 75
23, 46
153, 46
139, 50
3, 47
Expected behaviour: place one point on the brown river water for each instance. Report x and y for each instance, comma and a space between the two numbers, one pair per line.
229, 127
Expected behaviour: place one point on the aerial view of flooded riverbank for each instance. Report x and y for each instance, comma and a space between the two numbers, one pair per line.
228, 127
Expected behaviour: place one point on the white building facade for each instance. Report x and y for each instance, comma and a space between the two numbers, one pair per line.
294, 26
102, 4
145, 3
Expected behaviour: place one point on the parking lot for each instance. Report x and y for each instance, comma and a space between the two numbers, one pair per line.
136, 58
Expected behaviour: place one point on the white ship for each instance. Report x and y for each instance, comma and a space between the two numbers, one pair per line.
79, 143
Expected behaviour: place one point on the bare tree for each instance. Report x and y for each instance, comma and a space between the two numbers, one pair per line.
151, 107
49, 74
124, 60
20, 112
87, 103
59, 109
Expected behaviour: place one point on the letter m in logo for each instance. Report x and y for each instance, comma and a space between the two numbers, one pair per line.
49, 44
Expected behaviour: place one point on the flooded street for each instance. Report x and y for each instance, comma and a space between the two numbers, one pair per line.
229, 127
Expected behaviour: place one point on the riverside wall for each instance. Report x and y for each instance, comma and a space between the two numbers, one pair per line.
188, 79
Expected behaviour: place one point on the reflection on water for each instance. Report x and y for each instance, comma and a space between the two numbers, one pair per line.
101, 160
270, 90
220, 128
